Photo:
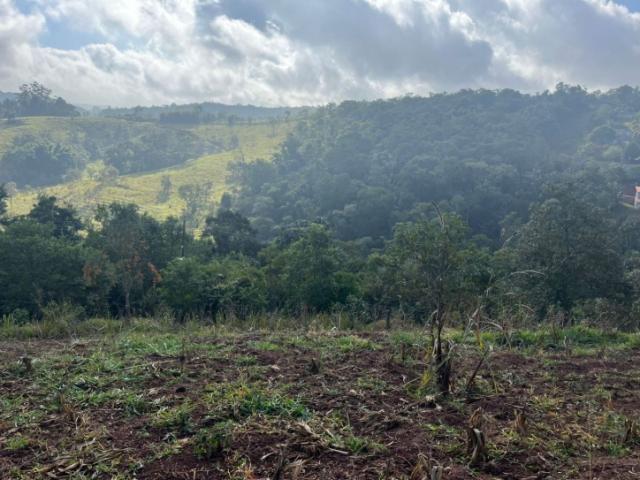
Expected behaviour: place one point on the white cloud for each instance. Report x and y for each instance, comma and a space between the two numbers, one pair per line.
292, 52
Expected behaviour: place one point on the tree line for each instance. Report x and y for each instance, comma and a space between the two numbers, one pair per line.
34, 99
576, 258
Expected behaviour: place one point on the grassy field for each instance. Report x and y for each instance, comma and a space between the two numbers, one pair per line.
258, 140
205, 402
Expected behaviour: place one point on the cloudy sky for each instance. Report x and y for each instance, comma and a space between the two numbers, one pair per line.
293, 52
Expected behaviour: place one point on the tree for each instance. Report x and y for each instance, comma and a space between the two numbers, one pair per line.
35, 99
228, 286
225, 201
570, 249
138, 247
121, 237
3, 200
189, 288
196, 198
378, 286
165, 189
305, 274
231, 233
36, 268
64, 220
36, 161
439, 269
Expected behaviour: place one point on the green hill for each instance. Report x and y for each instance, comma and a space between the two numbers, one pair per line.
224, 144
487, 155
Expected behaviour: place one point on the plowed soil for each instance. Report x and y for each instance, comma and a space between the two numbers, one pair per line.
311, 406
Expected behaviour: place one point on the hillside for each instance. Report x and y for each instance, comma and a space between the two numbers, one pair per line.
248, 141
198, 112
486, 155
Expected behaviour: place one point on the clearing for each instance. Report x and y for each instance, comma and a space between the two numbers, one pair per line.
208, 403
254, 141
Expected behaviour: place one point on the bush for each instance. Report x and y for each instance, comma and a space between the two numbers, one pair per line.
20, 316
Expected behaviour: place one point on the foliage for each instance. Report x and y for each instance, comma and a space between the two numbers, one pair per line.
365, 166
35, 99
36, 268
228, 286
197, 197
63, 218
3, 200
569, 251
101, 183
231, 233
437, 269
210, 442
36, 161
305, 274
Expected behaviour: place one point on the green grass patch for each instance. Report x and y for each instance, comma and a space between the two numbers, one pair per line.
17, 443
265, 346
353, 343
176, 419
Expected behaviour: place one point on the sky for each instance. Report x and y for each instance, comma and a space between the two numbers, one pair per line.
310, 52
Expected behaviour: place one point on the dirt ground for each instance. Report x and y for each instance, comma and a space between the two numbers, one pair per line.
312, 406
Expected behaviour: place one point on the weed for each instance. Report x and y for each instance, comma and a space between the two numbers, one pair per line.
359, 445
372, 384
353, 343
210, 442
250, 401
176, 419
16, 443
135, 404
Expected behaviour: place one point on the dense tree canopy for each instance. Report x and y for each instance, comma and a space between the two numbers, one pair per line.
364, 166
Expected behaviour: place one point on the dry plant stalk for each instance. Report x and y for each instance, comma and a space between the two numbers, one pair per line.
437, 472
472, 378
630, 431
476, 446
476, 442
420, 471
520, 422
477, 418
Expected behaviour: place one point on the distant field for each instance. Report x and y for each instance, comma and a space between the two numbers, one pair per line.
259, 140
155, 402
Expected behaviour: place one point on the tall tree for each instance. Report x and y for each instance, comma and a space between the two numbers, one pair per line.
36, 268
122, 238
231, 232
571, 251
63, 219
197, 197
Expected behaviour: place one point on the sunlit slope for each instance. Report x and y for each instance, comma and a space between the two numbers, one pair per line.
259, 140
68, 130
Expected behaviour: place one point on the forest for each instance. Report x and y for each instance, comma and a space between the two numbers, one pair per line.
500, 201
446, 255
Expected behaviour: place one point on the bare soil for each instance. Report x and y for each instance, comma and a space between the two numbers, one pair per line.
369, 411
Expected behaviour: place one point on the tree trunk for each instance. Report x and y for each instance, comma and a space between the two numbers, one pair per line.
441, 358
127, 305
